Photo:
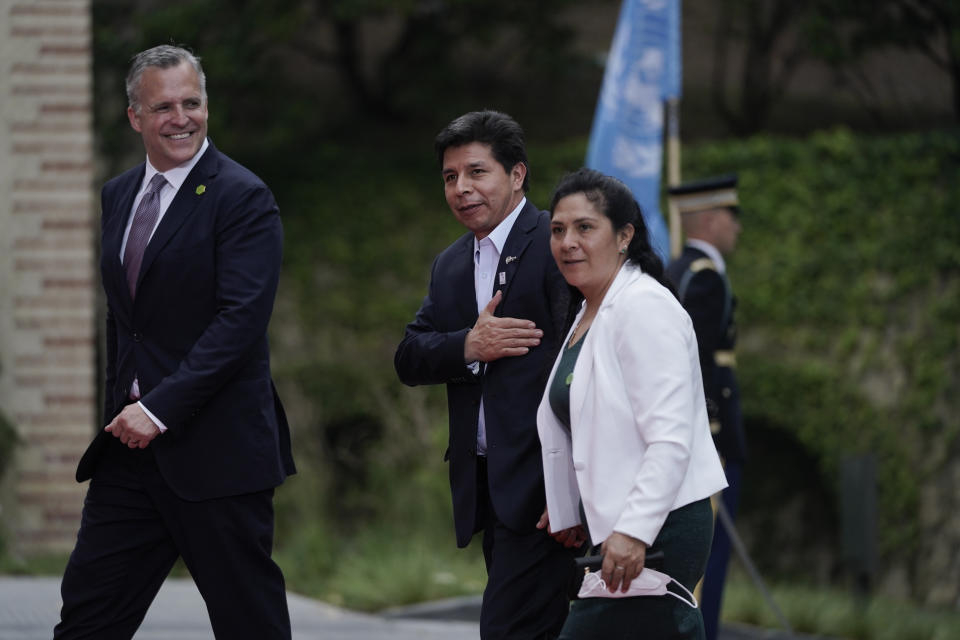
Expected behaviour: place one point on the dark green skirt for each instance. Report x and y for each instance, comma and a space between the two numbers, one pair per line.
685, 541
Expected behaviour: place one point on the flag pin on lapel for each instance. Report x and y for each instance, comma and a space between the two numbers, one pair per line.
200, 189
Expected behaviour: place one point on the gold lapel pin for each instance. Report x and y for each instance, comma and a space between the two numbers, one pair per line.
200, 189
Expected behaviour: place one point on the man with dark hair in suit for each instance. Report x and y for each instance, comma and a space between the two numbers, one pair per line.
709, 211
197, 439
489, 329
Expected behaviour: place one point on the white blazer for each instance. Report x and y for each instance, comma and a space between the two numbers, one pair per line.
641, 443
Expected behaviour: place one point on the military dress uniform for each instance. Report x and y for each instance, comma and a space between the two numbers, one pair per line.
705, 293
704, 290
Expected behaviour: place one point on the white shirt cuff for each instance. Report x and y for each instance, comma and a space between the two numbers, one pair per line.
160, 425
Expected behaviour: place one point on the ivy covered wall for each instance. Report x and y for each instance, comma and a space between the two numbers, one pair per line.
848, 279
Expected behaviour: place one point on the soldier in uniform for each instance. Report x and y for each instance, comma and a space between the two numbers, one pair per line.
709, 213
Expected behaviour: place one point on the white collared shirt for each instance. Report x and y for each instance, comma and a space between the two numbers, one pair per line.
486, 257
499, 236
175, 179
712, 252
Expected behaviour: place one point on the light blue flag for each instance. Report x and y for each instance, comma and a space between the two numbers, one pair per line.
643, 70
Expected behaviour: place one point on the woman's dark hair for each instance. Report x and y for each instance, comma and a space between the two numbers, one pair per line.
615, 200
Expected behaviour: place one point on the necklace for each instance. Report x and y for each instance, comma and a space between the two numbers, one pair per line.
584, 324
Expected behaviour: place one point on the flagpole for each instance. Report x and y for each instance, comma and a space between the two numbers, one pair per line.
673, 171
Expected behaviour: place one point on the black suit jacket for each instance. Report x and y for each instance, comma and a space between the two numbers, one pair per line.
705, 294
432, 353
195, 337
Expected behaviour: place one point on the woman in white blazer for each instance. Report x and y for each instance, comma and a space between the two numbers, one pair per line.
623, 423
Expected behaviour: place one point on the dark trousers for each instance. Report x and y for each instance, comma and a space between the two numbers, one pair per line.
684, 540
133, 529
527, 576
711, 598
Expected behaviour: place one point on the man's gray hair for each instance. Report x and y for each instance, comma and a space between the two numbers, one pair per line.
164, 57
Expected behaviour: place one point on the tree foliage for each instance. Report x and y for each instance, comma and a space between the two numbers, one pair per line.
848, 280
928, 27
766, 68
287, 73
759, 45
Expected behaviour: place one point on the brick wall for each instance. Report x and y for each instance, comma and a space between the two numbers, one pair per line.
47, 255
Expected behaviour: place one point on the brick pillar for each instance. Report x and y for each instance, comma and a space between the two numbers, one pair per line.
47, 265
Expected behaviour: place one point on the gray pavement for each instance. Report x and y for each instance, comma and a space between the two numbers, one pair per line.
30, 607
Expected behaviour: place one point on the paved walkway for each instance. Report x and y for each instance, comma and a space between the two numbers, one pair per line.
30, 607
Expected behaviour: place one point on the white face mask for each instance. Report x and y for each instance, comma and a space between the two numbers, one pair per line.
650, 582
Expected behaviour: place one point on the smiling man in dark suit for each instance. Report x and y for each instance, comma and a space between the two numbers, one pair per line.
197, 439
489, 329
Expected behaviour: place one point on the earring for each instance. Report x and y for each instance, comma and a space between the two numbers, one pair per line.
623, 251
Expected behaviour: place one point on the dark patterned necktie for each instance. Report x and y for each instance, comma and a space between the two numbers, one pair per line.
143, 222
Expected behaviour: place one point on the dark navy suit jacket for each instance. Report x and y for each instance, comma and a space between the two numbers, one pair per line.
432, 353
195, 337
707, 298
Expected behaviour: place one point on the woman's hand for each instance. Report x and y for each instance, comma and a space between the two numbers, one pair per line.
623, 558
573, 537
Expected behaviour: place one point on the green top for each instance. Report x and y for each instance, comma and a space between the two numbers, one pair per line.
560, 389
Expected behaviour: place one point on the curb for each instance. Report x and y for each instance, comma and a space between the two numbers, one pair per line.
462, 609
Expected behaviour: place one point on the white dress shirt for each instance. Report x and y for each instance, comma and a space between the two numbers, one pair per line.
175, 178
486, 257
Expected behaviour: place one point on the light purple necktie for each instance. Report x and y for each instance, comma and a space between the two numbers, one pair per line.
143, 222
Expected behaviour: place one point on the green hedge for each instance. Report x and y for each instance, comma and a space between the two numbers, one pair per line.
848, 278
8, 441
